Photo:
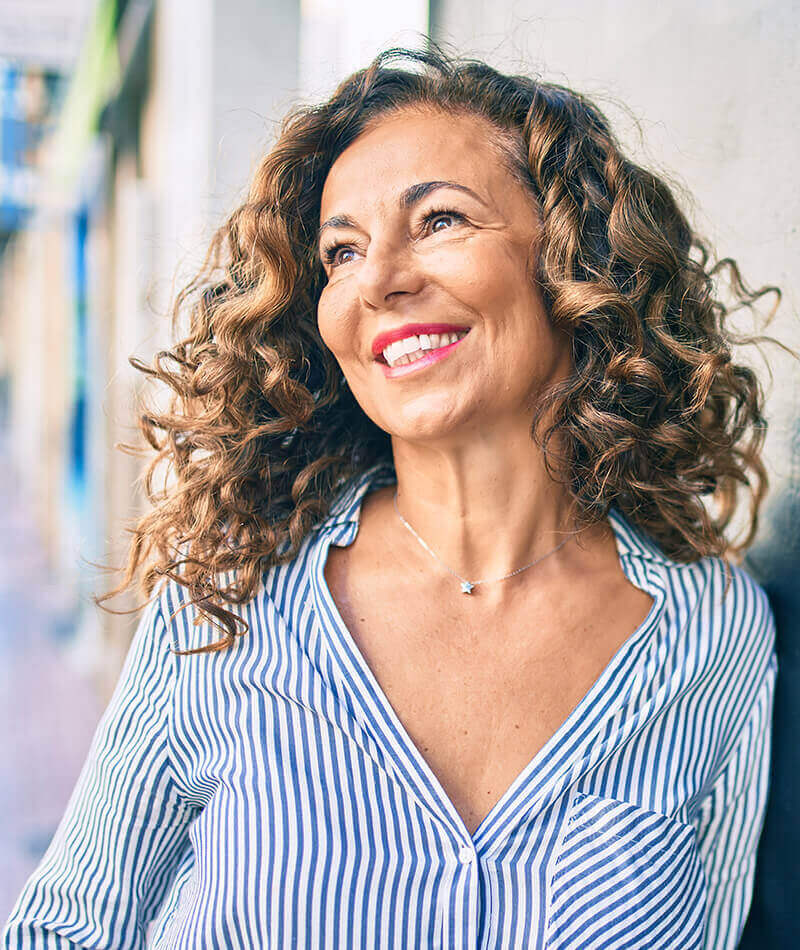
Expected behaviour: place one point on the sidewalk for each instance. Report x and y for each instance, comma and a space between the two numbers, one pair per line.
48, 711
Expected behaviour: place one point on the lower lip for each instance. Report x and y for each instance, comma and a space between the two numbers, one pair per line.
432, 356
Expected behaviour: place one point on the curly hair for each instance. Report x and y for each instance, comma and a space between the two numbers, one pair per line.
261, 431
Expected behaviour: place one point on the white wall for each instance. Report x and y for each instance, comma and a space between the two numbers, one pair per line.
223, 72
255, 80
339, 38
714, 88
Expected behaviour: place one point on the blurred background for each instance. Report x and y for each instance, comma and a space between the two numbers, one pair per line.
128, 128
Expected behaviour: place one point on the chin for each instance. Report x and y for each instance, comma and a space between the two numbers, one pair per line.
426, 422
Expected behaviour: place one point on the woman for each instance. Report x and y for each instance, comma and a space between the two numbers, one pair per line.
444, 649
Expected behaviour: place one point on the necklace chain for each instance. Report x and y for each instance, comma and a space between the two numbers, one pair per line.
467, 586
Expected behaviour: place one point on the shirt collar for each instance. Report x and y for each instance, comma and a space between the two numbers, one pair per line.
633, 541
346, 506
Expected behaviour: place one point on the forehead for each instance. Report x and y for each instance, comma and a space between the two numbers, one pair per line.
406, 147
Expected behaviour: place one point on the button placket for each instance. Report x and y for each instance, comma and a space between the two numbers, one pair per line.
460, 910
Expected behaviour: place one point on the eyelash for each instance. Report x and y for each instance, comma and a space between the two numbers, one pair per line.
329, 254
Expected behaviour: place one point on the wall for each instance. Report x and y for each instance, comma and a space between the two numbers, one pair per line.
706, 94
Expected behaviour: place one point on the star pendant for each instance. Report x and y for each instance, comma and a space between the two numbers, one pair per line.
466, 587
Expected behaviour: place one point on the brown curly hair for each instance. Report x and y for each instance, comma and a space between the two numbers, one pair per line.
261, 431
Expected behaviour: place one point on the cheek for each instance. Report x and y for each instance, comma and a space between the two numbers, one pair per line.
333, 325
323, 322
487, 272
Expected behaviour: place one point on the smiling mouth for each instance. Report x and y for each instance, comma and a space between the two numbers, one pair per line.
415, 347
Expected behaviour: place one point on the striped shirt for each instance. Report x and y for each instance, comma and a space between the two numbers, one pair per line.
269, 796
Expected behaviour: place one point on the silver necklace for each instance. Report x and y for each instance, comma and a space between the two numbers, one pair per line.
467, 586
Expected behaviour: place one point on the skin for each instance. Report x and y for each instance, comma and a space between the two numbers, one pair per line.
479, 685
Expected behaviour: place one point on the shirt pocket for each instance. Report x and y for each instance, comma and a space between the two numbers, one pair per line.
625, 877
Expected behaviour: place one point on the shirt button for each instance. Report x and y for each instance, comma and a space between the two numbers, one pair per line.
465, 854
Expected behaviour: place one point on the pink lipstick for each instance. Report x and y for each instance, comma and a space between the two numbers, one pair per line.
436, 342
382, 340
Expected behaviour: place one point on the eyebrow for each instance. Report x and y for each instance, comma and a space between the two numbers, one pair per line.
410, 197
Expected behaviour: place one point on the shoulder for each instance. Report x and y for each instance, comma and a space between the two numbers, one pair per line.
727, 605
174, 621
723, 637
184, 627
280, 603
717, 615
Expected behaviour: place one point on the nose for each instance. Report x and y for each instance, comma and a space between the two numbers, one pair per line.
388, 271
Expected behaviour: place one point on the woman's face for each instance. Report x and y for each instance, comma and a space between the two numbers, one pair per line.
429, 307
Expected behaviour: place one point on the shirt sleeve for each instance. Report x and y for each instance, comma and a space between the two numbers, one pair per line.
730, 823
125, 828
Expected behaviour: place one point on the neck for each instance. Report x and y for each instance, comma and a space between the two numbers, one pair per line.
486, 506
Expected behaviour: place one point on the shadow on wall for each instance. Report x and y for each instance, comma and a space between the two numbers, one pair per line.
774, 919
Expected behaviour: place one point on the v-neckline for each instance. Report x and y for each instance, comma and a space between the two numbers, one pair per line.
566, 754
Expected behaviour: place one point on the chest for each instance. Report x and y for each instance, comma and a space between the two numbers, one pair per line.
479, 691
334, 836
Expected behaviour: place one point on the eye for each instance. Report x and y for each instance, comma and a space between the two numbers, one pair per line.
333, 255
432, 217
333, 258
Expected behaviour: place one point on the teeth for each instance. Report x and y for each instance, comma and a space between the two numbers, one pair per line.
413, 347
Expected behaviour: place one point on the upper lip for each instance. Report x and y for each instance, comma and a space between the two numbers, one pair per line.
382, 340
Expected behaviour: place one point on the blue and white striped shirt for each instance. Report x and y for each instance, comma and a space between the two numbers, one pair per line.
268, 796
